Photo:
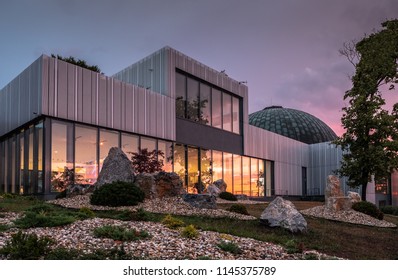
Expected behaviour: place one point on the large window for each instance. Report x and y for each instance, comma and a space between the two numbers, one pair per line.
130, 144
85, 155
246, 176
203, 103
206, 166
194, 186
148, 143
179, 161
217, 165
108, 139
166, 148
228, 170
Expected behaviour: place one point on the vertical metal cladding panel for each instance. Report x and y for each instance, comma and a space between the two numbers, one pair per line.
151, 113
137, 118
141, 110
102, 100
45, 83
94, 97
71, 91
117, 104
79, 102
130, 108
51, 86
62, 89
87, 98
123, 106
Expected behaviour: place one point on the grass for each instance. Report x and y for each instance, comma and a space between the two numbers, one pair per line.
329, 237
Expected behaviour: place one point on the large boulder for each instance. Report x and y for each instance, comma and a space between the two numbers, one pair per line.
282, 213
221, 185
333, 188
202, 201
116, 167
168, 184
213, 190
354, 197
146, 182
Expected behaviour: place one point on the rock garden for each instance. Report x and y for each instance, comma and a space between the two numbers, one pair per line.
149, 216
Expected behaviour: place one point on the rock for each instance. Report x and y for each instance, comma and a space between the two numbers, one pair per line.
202, 201
338, 203
168, 184
116, 167
354, 197
146, 182
333, 187
78, 189
221, 185
241, 196
213, 190
282, 213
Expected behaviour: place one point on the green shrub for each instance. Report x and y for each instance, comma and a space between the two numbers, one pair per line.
228, 196
368, 208
43, 219
142, 215
26, 247
172, 222
292, 247
41, 208
117, 194
63, 254
391, 210
238, 208
61, 195
190, 232
120, 233
231, 247
87, 212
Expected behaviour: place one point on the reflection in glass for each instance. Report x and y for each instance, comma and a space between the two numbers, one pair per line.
206, 167
21, 160
193, 102
39, 136
180, 95
59, 161
261, 176
148, 143
31, 182
179, 161
85, 155
130, 144
167, 149
254, 179
235, 115
246, 176
216, 108
13, 165
108, 139
217, 165
205, 107
237, 174
193, 171
228, 171
226, 109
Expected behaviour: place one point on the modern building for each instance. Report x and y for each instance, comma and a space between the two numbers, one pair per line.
58, 122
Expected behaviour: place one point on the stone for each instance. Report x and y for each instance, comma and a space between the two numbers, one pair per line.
213, 190
116, 167
221, 185
202, 201
168, 184
354, 197
338, 203
333, 187
283, 213
146, 182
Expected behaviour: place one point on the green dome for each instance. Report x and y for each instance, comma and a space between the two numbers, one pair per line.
292, 123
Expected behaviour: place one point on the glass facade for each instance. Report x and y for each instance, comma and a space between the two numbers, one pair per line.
205, 103
76, 154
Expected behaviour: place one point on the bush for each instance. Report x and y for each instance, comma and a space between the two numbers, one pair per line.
368, 208
238, 208
172, 222
86, 212
119, 233
391, 210
117, 194
61, 195
229, 247
189, 232
142, 215
26, 247
43, 219
228, 196
293, 247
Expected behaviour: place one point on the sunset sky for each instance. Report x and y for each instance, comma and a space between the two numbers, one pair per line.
286, 50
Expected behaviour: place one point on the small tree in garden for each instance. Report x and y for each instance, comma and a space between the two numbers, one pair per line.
147, 161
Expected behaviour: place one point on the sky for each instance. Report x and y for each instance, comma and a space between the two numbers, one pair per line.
286, 50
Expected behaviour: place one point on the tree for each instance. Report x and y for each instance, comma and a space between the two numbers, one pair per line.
147, 161
370, 142
79, 62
